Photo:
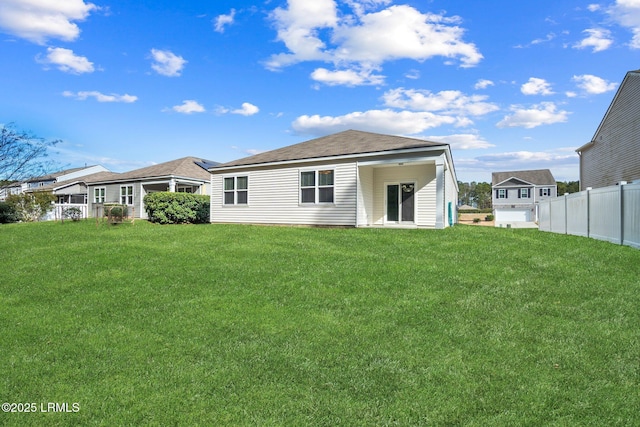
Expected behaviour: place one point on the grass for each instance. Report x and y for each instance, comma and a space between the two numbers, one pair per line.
249, 325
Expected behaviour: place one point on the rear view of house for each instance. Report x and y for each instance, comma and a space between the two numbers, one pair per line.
516, 194
350, 178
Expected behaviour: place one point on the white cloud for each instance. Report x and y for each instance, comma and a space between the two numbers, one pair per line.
298, 28
167, 63
544, 113
314, 31
100, 97
382, 121
465, 141
593, 85
547, 39
403, 32
346, 77
446, 101
536, 86
483, 84
627, 14
67, 61
40, 20
188, 106
598, 38
223, 20
534, 158
413, 74
246, 110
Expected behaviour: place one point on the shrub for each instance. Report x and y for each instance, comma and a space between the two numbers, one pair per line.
177, 208
7, 213
73, 213
489, 217
31, 206
115, 212
476, 220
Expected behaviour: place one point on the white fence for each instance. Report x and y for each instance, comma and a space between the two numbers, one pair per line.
59, 209
610, 213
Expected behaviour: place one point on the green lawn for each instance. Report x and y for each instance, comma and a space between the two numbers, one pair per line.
248, 325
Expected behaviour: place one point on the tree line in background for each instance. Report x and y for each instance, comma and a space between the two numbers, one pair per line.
478, 194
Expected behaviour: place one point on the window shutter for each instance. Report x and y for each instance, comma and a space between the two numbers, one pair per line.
519, 193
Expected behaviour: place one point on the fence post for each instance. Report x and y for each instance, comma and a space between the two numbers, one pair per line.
588, 211
622, 213
566, 215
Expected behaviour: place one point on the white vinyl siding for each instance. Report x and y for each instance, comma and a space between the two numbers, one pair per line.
275, 198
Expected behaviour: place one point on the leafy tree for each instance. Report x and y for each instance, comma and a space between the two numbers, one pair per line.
7, 213
31, 206
23, 155
477, 194
482, 195
568, 187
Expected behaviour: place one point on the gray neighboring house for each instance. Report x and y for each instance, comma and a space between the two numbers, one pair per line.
67, 185
613, 154
187, 175
515, 196
350, 178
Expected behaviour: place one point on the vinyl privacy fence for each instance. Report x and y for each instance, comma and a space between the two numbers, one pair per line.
610, 213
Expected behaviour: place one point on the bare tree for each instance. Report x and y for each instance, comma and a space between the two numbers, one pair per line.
23, 155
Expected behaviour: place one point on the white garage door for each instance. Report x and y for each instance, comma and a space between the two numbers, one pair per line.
512, 215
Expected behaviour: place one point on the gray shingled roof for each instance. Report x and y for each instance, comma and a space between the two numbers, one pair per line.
338, 144
185, 167
55, 175
537, 177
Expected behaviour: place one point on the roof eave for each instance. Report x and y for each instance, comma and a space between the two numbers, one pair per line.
147, 178
332, 158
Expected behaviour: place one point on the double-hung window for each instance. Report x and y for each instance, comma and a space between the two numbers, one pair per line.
524, 193
545, 191
126, 195
316, 186
99, 194
236, 190
502, 193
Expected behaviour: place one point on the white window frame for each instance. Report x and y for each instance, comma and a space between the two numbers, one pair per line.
545, 192
126, 197
524, 193
99, 194
317, 187
235, 191
502, 193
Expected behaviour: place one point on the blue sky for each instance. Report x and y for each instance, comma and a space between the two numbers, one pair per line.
510, 85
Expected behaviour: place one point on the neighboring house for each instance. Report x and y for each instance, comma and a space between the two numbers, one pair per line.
187, 175
613, 154
66, 185
515, 195
350, 178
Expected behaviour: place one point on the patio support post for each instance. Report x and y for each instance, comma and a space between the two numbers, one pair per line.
172, 185
440, 194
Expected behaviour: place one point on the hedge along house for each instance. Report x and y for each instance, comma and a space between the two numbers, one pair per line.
351, 178
187, 175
